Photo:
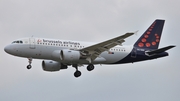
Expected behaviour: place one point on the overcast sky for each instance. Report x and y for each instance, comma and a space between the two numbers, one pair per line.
93, 21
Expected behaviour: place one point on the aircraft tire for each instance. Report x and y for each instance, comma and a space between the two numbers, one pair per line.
77, 74
29, 66
90, 67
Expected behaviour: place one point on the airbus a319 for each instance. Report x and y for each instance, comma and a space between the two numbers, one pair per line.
59, 54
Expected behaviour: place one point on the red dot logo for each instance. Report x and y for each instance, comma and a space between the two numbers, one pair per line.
153, 43
143, 40
140, 44
38, 40
157, 40
157, 37
148, 32
146, 36
148, 44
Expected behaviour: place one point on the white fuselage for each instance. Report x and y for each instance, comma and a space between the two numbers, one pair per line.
59, 54
42, 48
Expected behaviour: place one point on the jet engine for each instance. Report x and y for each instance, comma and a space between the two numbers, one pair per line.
49, 65
70, 55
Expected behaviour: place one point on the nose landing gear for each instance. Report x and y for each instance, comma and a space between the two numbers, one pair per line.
30, 61
29, 66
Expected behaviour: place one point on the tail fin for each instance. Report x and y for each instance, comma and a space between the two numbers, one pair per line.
151, 37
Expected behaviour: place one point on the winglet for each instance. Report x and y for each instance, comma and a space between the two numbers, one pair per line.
131, 33
136, 32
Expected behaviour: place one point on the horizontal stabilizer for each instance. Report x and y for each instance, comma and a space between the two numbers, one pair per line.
157, 51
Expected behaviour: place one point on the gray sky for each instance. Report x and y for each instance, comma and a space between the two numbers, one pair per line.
96, 21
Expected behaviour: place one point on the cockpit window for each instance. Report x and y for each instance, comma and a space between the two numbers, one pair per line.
19, 41
14, 42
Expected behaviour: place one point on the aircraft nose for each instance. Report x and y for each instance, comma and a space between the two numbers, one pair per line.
7, 49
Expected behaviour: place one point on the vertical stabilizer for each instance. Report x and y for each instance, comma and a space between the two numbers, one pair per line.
151, 37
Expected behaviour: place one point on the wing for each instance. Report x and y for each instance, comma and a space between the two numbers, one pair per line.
95, 50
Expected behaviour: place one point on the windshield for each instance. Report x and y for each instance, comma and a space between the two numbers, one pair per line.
19, 41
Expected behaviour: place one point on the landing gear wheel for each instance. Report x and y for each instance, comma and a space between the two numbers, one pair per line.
30, 61
77, 73
90, 67
29, 66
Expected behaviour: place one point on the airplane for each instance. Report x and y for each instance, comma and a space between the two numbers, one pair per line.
59, 54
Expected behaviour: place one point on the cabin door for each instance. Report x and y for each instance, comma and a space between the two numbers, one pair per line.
32, 43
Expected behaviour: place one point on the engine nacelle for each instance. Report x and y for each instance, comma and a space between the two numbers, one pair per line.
49, 65
70, 55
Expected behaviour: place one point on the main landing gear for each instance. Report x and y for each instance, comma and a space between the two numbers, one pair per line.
77, 73
90, 67
30, 61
